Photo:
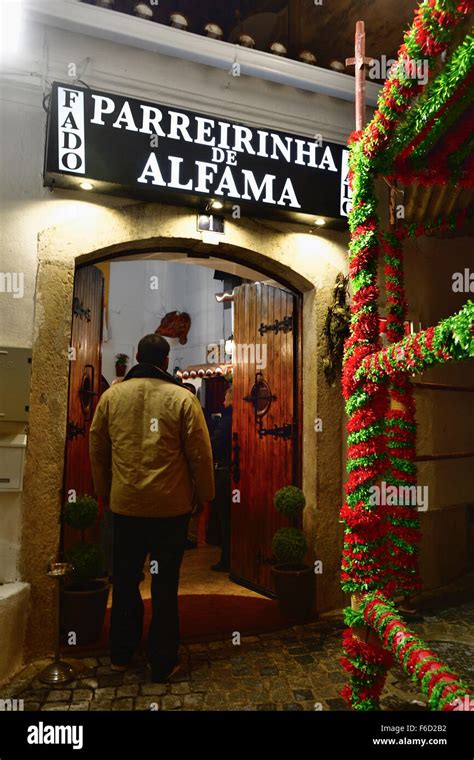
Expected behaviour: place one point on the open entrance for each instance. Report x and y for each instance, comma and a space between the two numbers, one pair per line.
228, 326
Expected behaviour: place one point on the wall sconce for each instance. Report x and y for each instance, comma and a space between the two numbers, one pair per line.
306, 56
179, 21
142, 10
245, 40
213, 31
278, 48
337, 66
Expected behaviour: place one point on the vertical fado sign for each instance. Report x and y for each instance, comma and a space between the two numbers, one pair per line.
140, 149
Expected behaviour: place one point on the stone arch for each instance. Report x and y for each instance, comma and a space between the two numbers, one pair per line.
277, 249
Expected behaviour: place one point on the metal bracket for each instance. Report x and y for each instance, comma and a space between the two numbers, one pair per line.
283, 325
79, 310
285, 431
74, 430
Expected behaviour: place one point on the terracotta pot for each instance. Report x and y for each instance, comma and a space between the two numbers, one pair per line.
83, 610
295, 589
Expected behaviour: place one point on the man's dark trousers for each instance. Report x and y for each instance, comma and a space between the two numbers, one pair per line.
163, 538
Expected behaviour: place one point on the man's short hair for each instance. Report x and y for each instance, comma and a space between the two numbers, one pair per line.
153, 349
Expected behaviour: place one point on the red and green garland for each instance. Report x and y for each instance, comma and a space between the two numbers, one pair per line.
441, 685
379, 553
367, 665
451, 339
403, 525
441, 225
438, 126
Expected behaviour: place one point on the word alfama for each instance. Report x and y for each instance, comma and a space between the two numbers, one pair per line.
212, 178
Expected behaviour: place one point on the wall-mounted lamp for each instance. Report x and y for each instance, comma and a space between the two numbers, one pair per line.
337, 66
86, 186
319, 222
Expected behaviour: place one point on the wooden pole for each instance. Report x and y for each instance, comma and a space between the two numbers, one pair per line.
359, 61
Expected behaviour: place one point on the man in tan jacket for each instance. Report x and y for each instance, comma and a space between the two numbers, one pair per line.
152, 461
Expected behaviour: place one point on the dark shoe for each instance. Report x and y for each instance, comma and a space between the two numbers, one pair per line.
220, 568
190, 544
162, 673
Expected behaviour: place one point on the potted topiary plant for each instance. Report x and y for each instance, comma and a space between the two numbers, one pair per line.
293, 580
121, 361
85, 593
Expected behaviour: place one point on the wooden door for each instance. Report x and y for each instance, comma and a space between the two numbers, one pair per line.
84, 383
265, 440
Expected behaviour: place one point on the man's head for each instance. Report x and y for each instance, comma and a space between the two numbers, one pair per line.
153, 349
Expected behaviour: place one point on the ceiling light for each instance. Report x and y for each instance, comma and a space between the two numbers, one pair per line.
278, 48
320, 222
246, 41
306, 56
179, 21
87, 186
143, 11
214, 31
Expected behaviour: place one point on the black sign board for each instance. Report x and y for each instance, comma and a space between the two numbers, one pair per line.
139, 149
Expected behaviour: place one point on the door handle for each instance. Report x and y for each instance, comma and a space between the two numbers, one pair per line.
86, 394
235, 458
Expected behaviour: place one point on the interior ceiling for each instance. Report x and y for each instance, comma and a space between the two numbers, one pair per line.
326, 29
222, 265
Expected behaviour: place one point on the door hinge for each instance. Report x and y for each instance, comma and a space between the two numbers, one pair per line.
74, 429
79, 310
285, 431
279, 325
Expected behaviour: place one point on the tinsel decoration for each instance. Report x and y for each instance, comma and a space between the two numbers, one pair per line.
403, 525
437, 121
452, 338
367, 665
441, 685
379, 553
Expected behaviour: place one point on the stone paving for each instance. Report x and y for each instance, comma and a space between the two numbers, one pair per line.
292, 669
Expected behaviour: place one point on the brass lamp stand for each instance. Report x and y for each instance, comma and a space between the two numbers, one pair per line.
58, 671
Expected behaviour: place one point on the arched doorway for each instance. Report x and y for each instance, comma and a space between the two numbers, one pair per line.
261, 319
281, 254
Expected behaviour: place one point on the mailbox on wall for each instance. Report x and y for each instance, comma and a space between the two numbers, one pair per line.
12, 461
15, 373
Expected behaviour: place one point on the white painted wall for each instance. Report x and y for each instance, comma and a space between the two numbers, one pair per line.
27, 208
136, 310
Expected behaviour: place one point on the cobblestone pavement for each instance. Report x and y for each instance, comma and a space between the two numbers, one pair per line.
293, 669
